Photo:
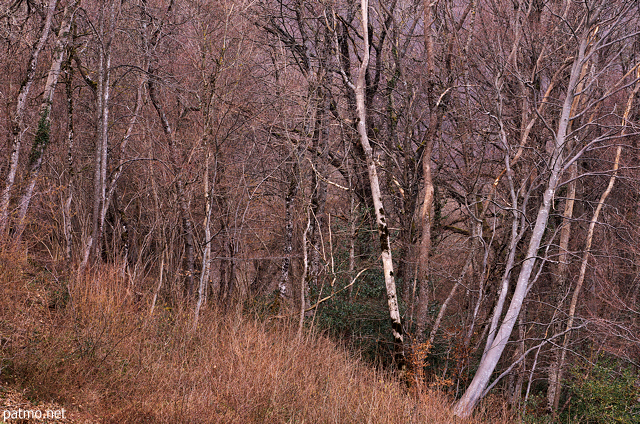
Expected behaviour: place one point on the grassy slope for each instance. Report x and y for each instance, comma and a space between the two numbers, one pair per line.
95, 350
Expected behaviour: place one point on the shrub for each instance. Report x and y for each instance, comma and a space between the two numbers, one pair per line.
604, 393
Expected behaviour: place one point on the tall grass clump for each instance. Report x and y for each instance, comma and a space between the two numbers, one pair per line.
92, 345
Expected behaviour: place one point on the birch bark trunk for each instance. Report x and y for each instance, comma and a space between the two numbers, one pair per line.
284, 285
66, 207
383, 229
206, 255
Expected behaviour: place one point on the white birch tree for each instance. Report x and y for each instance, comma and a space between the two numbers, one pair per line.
383, 229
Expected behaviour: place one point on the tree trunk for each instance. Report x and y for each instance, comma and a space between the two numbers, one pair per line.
517, 374
383, 229
426, 218
558, 367
42, 137
319, 193
17, 128
284, 285
553, 390
182, 198
353, 234
475, 391
66, 207
93, 245
303, 279
206, 254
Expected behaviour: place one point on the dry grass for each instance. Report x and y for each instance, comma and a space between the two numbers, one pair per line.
98, 352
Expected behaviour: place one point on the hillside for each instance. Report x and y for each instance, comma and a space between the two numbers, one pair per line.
99, 354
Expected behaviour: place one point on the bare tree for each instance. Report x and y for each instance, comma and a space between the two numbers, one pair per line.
383, 229
102, 90
18, 125
42, 136
604, 22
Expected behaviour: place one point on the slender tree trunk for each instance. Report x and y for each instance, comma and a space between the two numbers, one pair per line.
182, 198
303, 279
383, 229
474, 392
206, 254
559, 365
284, 285
319, 194
104, 139
553, 390
353, 234
506, 277
17, 128
93, 245
158, 287
230, 282
426, 218
580, 282
517, 374
66, 207
42, 137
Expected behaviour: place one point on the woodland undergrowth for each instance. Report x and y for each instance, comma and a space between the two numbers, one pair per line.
93, 346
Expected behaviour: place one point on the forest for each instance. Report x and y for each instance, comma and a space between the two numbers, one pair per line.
448, 190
